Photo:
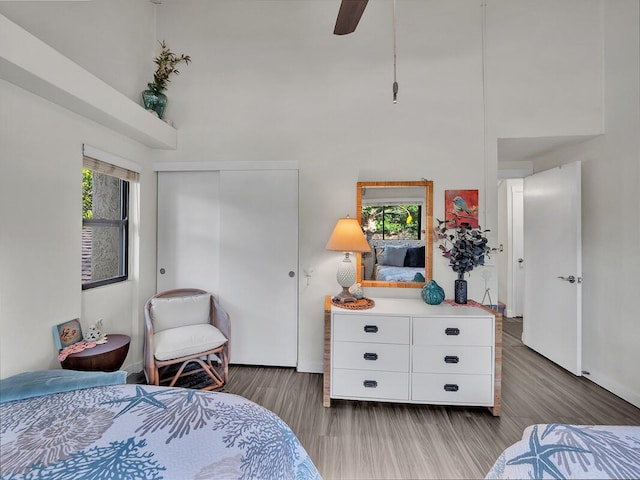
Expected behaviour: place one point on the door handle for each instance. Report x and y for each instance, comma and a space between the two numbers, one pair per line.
570, 279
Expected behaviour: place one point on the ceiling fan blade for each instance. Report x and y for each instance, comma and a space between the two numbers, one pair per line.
349, 16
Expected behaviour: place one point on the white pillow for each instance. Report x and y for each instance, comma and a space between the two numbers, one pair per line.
184, 341
177, 312
394, 255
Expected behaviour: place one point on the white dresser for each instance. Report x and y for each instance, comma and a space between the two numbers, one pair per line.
403, 350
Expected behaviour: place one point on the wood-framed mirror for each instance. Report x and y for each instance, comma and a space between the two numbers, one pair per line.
397, 220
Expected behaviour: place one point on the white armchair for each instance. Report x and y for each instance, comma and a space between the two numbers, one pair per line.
184, 326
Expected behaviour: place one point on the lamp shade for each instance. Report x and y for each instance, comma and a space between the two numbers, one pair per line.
347, 236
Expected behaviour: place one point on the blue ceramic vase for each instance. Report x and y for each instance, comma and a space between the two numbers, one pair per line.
432, 293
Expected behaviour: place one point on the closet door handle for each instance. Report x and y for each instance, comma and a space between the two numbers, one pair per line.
370, 356
452, 331
370, 384
451, 359
451, 387
371, 328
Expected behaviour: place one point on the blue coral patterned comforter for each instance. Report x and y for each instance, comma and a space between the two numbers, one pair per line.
572, 451
140, 431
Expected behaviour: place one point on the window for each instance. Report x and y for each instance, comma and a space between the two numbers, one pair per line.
392, 222
105, 223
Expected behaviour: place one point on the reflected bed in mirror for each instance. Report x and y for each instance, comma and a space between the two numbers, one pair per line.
397, 220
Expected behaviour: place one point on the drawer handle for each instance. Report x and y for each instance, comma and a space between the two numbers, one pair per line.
450, 387
451, 359
370, 356
452, 331
371, 328
370, 384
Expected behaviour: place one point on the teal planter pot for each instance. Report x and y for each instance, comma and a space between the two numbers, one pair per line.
432, 293
154, 99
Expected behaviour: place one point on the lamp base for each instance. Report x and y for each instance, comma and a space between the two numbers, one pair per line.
345, 296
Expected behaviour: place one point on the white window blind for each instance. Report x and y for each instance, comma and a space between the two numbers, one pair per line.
109, 164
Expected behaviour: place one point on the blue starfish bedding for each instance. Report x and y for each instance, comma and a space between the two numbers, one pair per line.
140, 431
572, 451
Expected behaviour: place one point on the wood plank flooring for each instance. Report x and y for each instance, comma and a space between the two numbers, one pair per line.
371, 440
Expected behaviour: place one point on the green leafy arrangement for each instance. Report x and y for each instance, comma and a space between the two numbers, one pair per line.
166, 65
464, 246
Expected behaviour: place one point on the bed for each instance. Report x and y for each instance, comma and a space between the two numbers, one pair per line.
395, 262
389, 273
571, 451
138, 431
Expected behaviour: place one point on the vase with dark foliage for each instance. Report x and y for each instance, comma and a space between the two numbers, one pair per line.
465, 247
166, 65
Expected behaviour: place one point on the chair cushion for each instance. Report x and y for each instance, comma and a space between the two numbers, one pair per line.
184, 341
177, 312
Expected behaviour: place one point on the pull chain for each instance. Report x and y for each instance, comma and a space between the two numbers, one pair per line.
395, 82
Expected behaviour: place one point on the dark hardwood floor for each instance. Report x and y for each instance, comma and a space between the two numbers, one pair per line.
371, 440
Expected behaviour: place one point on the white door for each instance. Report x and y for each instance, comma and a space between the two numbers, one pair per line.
552, 321
517, 253
259, 264
188, 230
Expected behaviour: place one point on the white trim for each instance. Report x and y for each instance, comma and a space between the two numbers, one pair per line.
219, 166
93, 152
310, 367
621, 390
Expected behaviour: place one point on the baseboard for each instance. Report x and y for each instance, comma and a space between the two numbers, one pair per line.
621, 391
310, 367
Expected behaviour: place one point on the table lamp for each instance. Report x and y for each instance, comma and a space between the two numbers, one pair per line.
347, 237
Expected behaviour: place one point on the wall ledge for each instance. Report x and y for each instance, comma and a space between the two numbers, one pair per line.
31, 64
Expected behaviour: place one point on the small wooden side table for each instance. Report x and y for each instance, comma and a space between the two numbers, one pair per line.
107, 357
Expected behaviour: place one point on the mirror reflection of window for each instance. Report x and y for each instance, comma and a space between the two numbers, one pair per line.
392, 222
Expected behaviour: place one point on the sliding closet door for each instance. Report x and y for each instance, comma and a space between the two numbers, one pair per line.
259, 263
188, 230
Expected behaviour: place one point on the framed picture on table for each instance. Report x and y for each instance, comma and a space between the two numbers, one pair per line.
67, 333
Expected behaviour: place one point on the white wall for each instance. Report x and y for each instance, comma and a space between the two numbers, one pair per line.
111, 39
573, 70
40, 193
611, 219
270, 82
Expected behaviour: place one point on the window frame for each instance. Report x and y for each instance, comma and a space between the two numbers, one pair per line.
403, 204
122, 222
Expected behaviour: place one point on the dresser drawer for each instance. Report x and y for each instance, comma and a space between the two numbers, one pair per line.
453, 331
371, 356
452, 359
369, 385
452, 389
371, 328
